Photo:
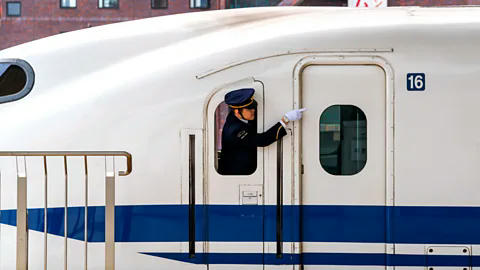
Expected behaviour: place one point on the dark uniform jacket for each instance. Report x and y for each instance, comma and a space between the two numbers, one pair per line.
239, 145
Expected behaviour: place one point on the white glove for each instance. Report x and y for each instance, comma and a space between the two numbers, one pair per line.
295, 114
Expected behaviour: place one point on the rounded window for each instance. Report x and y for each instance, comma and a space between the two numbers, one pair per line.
16, 80
343, 140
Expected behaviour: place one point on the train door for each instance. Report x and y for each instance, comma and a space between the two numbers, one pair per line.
235, 202
342, 166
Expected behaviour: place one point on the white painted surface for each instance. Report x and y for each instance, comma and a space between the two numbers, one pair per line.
360, 86
139, 104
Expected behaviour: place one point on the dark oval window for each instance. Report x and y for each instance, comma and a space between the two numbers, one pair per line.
16, 79
343, 140
12, 79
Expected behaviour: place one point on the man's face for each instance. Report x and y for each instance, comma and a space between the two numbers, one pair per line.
248, 114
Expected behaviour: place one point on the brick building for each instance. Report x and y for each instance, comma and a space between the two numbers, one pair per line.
25, 20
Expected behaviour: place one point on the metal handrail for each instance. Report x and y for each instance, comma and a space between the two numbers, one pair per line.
127, 155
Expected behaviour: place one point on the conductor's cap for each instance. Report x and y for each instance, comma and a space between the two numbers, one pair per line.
241, 98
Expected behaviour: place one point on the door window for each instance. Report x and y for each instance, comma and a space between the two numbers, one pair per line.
343, 140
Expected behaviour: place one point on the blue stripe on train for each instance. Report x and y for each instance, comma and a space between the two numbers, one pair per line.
55, 224
169, 223
323, 259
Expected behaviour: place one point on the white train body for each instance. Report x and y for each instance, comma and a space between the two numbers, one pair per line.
151, 88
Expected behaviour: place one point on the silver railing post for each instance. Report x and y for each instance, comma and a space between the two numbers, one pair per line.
86, 213
109, 213
45, 215
22, 229
65, 216
22, 214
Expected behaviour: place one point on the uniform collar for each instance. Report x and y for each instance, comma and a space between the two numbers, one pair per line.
235, 118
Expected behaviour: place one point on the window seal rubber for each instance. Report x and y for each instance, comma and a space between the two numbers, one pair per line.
30, 81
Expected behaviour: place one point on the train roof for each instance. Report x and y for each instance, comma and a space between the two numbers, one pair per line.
223, 29
218, 38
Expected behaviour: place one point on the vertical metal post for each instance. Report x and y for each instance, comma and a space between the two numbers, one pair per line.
86, 212
191, 200
279, 199
22, 228
109, 213
65, 217
45, 215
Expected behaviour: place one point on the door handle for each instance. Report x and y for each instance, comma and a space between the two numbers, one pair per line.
279, 232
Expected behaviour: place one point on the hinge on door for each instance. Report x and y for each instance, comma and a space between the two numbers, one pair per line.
302, 169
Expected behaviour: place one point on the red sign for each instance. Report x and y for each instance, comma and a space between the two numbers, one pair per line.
367, 3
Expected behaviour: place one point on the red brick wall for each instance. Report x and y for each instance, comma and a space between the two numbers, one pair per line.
42, 18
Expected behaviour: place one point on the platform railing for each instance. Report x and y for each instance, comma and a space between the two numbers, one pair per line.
22, 225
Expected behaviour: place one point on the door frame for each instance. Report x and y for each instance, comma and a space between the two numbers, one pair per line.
209, 172
346, 59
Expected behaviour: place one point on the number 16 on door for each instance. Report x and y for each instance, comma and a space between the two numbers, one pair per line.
416, 81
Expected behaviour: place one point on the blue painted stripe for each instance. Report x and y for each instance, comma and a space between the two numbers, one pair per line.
362, 224
350, 224
370, 259
55, 225
441, 225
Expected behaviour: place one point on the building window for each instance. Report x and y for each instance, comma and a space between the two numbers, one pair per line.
251, 3
199, 4
343, 140
108, 3
158, 4
16, 80
68, 3
14, 9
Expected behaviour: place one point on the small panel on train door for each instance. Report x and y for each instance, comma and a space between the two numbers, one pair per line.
343, 155
235, 202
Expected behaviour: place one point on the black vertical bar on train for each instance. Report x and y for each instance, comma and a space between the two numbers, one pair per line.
279, 199
191, 197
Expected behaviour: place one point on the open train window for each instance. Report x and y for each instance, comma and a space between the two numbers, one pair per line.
16, 79
220, 116
343, 140
221, 113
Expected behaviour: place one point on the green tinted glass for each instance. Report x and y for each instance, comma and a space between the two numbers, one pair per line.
343, 140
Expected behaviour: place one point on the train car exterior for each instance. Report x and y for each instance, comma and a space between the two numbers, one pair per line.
109, 152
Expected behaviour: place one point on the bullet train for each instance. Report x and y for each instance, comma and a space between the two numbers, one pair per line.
111, 139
